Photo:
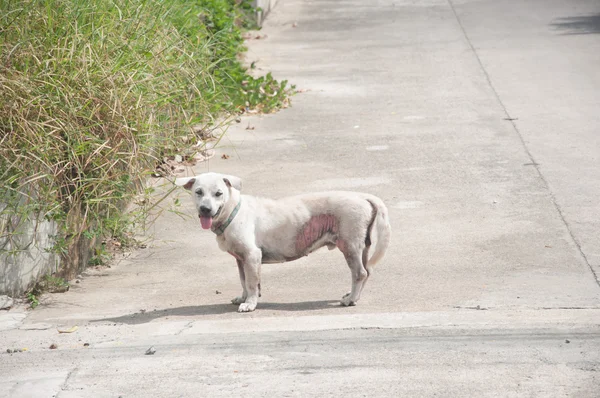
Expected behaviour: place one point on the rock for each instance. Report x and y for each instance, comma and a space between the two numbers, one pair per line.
150, 351
6, 302
53, 346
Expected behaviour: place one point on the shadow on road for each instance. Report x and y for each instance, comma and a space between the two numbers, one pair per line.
216, 309
581, 25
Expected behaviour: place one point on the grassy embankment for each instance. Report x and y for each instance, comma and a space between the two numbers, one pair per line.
93, 95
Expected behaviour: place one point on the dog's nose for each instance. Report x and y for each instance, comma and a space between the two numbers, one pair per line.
205, 210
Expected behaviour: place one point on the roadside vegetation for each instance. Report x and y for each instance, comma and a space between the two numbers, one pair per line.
95, 93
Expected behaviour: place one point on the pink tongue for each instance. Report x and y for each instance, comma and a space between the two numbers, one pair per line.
206, 222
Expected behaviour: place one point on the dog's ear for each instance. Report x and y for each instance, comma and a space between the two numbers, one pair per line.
185, 182
233, 181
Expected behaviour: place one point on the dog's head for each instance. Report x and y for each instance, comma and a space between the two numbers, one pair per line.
211, 192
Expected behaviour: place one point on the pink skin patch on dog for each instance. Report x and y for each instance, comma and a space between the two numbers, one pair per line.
314, 230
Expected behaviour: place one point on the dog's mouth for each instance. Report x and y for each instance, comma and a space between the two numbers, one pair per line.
206, 221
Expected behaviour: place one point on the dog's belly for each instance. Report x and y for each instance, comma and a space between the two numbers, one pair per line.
320, 230
272, 257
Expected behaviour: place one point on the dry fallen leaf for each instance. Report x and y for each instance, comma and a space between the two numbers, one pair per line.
225, 156
70, 330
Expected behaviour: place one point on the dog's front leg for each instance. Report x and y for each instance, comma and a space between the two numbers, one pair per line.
242, 298
251, 268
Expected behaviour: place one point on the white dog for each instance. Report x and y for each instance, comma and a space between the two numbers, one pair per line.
257, 230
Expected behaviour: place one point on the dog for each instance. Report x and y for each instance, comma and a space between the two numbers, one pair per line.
258, 230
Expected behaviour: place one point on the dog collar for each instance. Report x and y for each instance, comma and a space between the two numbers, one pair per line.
220, 228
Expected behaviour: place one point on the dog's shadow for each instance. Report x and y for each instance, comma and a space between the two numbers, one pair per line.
216, 309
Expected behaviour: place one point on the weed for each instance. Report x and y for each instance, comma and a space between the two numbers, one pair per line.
33, 300
95, 93
101, 256
50, 284
53, 284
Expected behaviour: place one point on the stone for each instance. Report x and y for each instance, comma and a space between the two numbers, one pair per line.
6, 302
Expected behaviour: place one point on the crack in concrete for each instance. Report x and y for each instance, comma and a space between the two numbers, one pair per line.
63, 386
534, 163
185, 327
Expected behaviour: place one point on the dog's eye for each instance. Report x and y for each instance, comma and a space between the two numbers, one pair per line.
199, 192
218, 193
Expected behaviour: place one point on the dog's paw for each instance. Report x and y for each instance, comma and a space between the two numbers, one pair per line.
247, 307
346, 302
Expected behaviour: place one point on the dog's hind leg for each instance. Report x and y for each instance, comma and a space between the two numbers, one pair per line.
242, 298
365, 251
359, 276
366, 267
369, 270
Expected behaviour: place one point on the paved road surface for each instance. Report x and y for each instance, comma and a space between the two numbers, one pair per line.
476, 121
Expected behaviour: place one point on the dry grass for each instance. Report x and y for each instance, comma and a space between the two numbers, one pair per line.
94, 93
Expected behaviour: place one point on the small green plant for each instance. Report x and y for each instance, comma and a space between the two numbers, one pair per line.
53, 284
50, 284
265, 94
33, 301
100, 257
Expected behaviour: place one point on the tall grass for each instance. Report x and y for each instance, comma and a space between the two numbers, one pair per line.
94, 92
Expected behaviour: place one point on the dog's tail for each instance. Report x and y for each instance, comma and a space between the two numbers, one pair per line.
381, 223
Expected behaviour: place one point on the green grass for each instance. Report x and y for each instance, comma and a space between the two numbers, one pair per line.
93, 94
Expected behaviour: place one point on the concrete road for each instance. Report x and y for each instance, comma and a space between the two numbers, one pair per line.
476, 121
474, 358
